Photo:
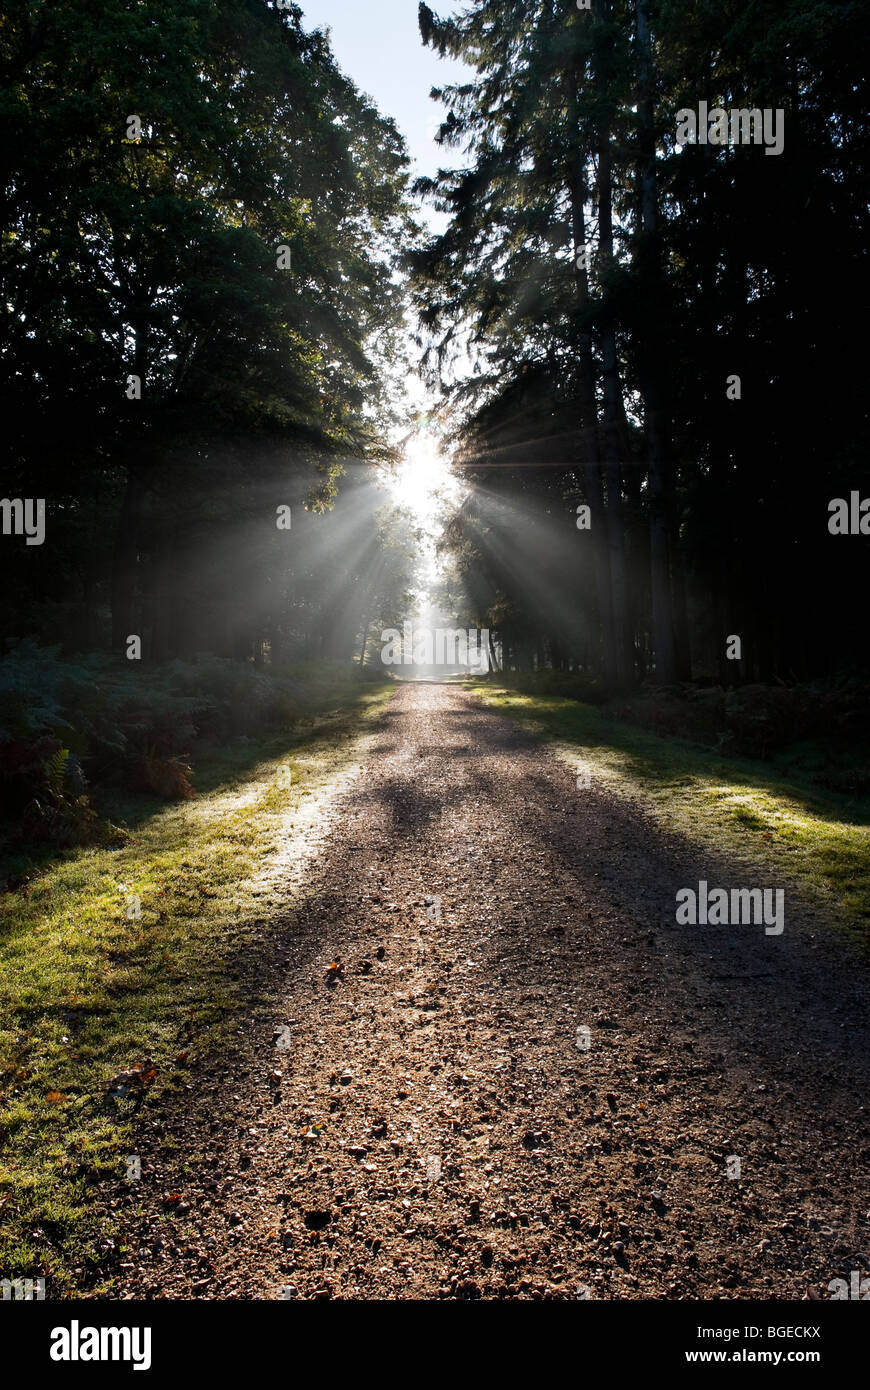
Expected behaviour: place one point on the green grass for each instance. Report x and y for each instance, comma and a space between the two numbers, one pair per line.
86, 990
754, 810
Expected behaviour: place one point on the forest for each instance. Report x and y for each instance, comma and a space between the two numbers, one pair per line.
646, 356
583, 404
653, 328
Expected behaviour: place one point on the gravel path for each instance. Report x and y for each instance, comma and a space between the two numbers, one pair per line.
525, 1079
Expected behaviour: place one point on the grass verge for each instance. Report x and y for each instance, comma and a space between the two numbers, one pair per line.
88, 988
742, 807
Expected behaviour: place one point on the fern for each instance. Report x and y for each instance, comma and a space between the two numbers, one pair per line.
54, 770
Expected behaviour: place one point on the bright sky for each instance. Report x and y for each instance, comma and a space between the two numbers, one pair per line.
377, 43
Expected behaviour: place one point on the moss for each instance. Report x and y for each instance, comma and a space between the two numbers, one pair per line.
86, 991
782, 821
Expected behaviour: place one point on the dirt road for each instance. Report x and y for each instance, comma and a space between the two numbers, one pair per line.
525, 1080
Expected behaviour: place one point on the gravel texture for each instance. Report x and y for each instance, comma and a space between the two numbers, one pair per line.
495, 1067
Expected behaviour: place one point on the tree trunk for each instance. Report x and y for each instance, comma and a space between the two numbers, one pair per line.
125, 558
682, 644
365, 642
588, 441
613, 407
655, 423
